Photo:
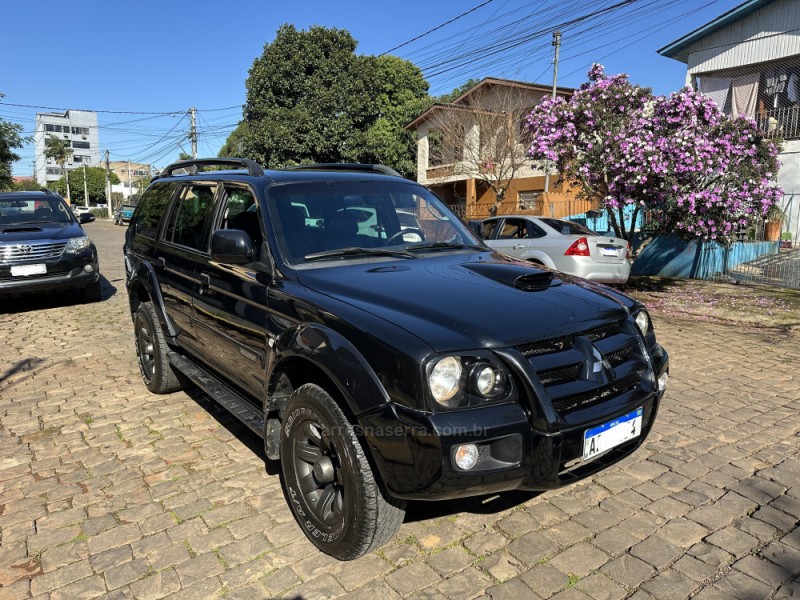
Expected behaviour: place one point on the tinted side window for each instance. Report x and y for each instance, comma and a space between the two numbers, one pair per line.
241, 212
534, 231
151, 208
191, 216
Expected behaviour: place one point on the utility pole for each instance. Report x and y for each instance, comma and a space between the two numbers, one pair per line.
193, 132
108, 189
85, 187
557, 44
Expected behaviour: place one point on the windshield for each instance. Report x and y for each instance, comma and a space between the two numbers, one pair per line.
567, 227
38, 210
310, 218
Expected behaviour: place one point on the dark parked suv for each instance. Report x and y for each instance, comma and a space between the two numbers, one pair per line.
380, 363
43, 247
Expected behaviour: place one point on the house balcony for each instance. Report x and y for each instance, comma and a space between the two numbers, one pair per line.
782, 122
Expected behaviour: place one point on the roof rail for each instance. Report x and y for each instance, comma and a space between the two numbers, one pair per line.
344, 167
192, 166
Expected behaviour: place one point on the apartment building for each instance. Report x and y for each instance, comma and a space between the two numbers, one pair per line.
79, 128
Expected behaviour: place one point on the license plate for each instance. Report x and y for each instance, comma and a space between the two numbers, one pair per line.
24, 270
609, 435
610, 252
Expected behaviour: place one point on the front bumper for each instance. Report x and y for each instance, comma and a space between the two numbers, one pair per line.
413, 450
63, 273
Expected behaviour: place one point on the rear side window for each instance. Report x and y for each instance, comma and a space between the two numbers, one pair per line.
151, 208
191, 216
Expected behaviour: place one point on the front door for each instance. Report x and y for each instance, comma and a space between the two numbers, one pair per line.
231, 308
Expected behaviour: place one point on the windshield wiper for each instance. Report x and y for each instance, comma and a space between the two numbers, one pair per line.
443, 246
358, 251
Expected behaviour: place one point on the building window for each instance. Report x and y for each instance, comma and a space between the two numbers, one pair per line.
80, 130
139, 173
77, 159
53, 171
81, 145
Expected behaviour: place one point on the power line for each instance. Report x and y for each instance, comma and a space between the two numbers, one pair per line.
422, 35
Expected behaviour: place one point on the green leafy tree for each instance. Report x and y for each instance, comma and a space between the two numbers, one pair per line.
469, 84
60, 151
95, 182
10, 139
311, 98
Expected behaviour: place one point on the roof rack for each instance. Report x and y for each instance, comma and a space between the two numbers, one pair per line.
344, 167
192, 166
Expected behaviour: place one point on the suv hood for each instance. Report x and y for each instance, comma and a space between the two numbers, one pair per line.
456, 301
31, 232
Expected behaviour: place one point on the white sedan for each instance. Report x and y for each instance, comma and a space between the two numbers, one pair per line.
565, 246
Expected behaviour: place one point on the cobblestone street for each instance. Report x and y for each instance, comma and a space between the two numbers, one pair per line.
109, 491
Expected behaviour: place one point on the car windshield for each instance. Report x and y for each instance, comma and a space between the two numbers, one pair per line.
320, 221
35, 210
567, 227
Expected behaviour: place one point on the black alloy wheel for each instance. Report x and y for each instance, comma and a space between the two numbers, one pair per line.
152, 349
328, 481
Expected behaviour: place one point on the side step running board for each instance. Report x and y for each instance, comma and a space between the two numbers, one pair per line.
221, 393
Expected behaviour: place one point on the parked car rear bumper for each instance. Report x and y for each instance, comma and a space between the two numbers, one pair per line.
587, 268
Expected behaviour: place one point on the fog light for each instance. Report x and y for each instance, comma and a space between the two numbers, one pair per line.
466, 456
88, 268
662, 381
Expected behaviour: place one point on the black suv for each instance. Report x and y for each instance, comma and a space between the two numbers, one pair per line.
381, 359
43, 247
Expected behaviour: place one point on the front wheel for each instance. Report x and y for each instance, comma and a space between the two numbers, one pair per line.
328, 481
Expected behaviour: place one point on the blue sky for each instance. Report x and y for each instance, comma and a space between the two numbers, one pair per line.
131, 59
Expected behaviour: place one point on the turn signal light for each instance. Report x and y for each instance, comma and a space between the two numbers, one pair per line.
580, 247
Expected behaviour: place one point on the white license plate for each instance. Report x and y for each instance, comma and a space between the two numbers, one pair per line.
608, 435
610, 252
24, 270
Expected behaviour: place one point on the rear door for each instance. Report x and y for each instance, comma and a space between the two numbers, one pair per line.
184, 247
231, 306
511, 237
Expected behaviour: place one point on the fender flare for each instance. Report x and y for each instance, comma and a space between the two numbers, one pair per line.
144, 274
337, 359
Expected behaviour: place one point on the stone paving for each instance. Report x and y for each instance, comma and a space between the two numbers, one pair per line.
109, 491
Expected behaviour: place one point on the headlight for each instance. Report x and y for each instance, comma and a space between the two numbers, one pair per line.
643, 321
444, 379
75, 245
460, 381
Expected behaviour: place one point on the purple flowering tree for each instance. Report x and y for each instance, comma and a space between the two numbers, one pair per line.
698, 173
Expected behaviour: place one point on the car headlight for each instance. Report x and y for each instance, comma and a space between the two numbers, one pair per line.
460, 381
643, 321
75, 245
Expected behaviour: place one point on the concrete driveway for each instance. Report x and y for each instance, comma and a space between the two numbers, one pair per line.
109, 491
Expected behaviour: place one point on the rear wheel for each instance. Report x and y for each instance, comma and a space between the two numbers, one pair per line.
152, 349
328, 481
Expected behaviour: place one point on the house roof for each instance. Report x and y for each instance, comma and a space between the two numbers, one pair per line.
677, 48
460, 102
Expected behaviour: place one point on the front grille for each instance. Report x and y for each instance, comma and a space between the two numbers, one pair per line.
568, 403
588, 367
560, 343
14, 254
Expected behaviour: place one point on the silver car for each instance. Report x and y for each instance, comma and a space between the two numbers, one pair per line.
565, 246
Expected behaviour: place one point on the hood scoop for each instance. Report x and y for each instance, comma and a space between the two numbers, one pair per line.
27, 229
519, 275
536, 282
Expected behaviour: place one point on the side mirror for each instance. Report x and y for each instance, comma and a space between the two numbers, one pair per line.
232, 246
86, 218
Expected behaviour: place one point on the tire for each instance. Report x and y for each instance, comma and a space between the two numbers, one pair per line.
92, 292
328, 482
151, 349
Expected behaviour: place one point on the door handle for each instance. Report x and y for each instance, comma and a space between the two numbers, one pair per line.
161, 263
518, 246
205, 283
